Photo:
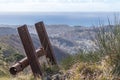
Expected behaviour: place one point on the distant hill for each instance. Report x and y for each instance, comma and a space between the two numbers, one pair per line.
13, 41
64, 38
70, 39
7, 31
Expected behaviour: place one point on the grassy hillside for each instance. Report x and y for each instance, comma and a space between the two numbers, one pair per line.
8, 55
102, 64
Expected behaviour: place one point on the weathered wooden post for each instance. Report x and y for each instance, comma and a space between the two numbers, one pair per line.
30, 50
32, 54
40, 28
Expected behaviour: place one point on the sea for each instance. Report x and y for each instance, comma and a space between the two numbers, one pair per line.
86, 19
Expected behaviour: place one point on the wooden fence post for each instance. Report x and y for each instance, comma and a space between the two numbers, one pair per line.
40, 28
30, 50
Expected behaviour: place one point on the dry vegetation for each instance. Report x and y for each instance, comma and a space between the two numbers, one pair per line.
102, 64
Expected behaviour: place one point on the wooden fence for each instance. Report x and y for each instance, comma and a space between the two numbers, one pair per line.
31, 53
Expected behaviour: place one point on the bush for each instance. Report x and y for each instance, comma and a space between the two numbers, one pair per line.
107, 54
68, 62
89, 57
108, 41
11, 55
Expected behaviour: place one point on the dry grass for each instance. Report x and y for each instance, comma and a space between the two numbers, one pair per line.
18, 77
91, 71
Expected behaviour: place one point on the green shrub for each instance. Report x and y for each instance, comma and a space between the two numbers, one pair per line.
68, 62
108, 41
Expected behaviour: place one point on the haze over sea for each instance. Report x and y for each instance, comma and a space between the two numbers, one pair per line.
86, 19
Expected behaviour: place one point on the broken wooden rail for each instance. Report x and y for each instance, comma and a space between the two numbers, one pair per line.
19, 66
31, 53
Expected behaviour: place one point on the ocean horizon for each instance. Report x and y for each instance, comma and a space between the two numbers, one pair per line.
86, 19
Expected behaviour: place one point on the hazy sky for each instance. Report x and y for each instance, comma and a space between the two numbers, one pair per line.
59, 5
